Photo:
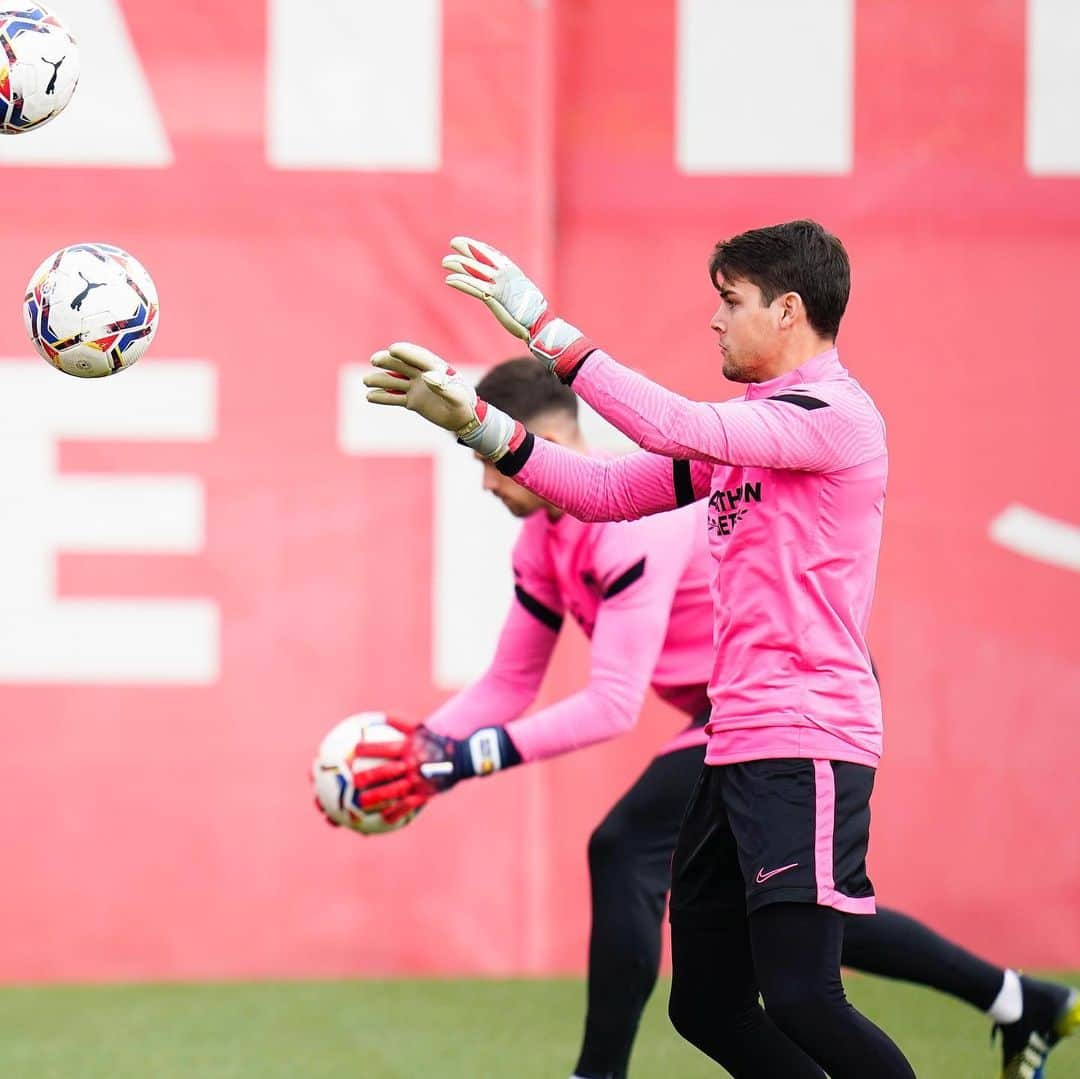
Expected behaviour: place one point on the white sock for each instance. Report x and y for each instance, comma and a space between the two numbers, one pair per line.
1008, 1005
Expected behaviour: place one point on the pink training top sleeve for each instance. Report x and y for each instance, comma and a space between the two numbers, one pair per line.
630, 630
764, 432
618, 489
508, 686
524, 649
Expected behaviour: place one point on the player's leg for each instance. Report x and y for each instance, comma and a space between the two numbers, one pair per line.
629, 872
796, 949
893, 945
1032, 1015
714, 992
802, 830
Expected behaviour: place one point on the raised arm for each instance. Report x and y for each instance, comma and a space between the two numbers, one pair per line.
623, 489
791, 429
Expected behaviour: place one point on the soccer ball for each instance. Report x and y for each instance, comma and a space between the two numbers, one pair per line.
338, 759
39, 68
91, 310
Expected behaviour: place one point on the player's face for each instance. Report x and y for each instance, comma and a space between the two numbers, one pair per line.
748, 330
519, 501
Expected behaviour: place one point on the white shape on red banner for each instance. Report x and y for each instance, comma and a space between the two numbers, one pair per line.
355, 85
1052, 143
1037, 536
472, 584
764, 87
139, 641
112, 119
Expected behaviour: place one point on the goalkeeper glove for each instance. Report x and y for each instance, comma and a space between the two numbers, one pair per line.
483, 271
426, 384
425, 764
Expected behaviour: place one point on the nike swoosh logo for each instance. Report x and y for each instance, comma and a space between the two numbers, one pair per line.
762, 876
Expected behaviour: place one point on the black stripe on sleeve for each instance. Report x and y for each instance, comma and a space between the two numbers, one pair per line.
684, 484
801, 399
510, 464
551, 619
625, 580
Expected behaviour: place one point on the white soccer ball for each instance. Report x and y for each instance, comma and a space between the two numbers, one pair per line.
91, 310
39, 68
339, 757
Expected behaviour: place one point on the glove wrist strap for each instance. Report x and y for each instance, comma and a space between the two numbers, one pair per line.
558, 345
486, 751
489, 433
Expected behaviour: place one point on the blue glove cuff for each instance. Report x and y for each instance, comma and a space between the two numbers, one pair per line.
485, 752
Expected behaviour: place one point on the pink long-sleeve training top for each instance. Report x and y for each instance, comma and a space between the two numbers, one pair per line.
794, 476
640, 592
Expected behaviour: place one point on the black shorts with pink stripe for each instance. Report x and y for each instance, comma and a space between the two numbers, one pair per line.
789, 830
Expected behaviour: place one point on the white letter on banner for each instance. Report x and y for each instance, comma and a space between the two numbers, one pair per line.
44, 511
112, 119
764, 87
1053, 87
355, 85
1037, 536
471, 565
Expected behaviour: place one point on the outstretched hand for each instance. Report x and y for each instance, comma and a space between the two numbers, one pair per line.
483, 271
414, 377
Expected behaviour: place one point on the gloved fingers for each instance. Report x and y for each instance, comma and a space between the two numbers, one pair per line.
386, 380
415, 356
391, 750
482, 271
374, 797
480, 251
386, 397
403, 807
466, 284
453, 264
379, 773
402, 726
393, 365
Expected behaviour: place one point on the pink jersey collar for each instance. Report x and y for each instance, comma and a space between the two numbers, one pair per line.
817, 368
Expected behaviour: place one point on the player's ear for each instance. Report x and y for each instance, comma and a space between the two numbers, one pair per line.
791, 309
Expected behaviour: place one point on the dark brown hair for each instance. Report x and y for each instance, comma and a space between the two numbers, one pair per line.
798, 256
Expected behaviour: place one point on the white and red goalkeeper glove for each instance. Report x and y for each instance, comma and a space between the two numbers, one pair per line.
425, 764
483, 271
413, 377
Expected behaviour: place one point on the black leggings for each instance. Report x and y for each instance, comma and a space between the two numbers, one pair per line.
629, 868
790, 953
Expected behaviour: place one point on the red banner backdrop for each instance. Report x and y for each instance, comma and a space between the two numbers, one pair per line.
161, 826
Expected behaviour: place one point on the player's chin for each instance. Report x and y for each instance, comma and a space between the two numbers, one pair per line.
733, 372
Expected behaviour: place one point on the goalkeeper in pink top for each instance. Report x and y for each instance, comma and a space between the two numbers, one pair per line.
772, 848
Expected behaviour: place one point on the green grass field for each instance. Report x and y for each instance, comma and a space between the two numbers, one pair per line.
408, 1030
